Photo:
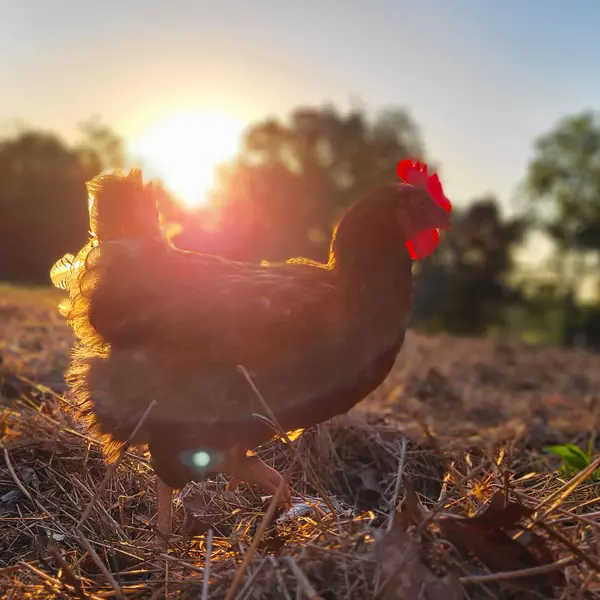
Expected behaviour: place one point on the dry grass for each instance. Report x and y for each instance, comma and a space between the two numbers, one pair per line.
457, 427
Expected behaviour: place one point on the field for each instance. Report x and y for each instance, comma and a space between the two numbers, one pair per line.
455, 437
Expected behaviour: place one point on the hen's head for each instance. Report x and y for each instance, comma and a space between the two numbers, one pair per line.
422, 209
405, 214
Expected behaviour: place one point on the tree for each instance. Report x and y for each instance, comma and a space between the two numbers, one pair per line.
100, 147
463, 287
292, 180
43, 199
563, 184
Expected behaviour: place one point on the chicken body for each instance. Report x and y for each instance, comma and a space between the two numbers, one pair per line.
157, 323
311, 347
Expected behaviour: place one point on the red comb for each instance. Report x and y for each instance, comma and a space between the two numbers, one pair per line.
416, 174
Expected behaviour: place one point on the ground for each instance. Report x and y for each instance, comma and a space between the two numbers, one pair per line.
455, 437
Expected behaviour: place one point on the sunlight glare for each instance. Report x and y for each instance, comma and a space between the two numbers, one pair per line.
183, 150
201, 459
294, 435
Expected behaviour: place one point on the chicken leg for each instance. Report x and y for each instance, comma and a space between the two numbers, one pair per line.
250, 469
164, 501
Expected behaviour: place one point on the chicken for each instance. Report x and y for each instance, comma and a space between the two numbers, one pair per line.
154, 322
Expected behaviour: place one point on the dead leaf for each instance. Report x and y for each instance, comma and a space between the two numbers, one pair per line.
411, 511
196, 503
537, 547
30, 478
491, 537
11, 497
405, 576
53, 447
200, 513
305, 509
195, 526
9, 502
273, 543
496, 549
369, 479
500, 514
197, 518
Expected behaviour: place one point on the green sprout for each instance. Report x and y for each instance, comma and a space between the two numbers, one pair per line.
574, 459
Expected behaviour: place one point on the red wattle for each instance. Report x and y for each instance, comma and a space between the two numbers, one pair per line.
423, 244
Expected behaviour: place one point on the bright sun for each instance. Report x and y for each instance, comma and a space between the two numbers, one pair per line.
183, 149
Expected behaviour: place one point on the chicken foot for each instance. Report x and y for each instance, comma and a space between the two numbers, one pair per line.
244, 469
250, 469
164, 501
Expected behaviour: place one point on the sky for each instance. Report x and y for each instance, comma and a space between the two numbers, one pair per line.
483, 78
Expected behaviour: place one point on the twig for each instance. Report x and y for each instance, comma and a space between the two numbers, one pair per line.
566, 490
257, 538
394, 501
158, 592
570, 545
251, 579
286, 437
7, 571
117, 528
586, 584
306, 586
44, 389
111, 580
71, 578
41, 574
19, 485
531, 572
281, 581
13, 474
209, 538
46, 578
571, 516
342, 555
439, 506
185, 565
264, 404
113, 467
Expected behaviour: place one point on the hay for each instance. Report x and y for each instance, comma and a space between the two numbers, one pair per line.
454, 433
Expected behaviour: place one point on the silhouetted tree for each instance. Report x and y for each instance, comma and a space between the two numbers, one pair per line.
100, 148
291, 182
43, 199
279, 198
563, 183
463, 287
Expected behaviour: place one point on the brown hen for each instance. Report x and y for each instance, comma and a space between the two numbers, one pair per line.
157, 323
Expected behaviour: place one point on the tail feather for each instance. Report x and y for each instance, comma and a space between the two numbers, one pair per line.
61, 271
120, 207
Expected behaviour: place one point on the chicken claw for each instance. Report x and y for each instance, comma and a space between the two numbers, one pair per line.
164, 497
250, 469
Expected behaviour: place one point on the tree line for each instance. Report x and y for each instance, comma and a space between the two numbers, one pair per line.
291, 181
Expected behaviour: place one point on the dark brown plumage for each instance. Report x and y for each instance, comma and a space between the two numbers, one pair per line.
158, 323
